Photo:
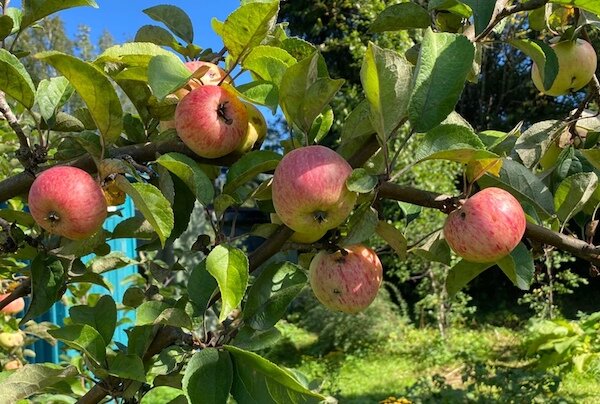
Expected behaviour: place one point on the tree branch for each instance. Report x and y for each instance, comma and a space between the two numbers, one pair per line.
21, 291
541, 234
24, 154
509, 10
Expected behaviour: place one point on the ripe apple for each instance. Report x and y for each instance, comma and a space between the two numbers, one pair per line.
211, 121
257, 129
67, 201
16, 306
309, 189
487, 227
576, 67
346, 281
13, 365
303, 238
10, 340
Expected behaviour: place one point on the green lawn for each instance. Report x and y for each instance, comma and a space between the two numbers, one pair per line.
478, 366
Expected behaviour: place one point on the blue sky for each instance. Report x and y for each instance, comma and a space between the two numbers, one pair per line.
122, 18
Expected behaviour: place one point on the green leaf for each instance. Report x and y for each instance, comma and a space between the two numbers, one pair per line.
164, 395
134, 227
361, 181
357, 124
543, 56
573, 193
321, 126
151, 202
133, 54
208, 377
518, 266
166, 74
444, 62
94, 88
533, 143
229, 266
14, 79
454, 6
201, 286
102, 317
524, 185
434, 248
247, 26
6, 26
174, 317
589, 5
482, 13
35, 10
127, 367
156, 35
393, 237
304, 95
362, 225
175, 19
32, 379
249, 166
445, 138
401, 16
184, 201
260, 92
47, 285
271, 294
191, 174
268, 62
148, 312
252, 340
385, 76
83, 338
17, 216
110, 262
51, 94
256, 380
91, 277
462, 273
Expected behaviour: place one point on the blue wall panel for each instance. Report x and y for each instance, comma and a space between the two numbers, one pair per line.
47, 353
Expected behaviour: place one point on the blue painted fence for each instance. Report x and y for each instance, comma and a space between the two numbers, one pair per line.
48, 353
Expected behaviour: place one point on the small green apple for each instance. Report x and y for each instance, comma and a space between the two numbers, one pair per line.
576, 67
257, 129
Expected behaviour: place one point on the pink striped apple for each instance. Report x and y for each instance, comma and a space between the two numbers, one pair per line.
211, 121
487, 227
309, 189
68, 202
346, 281
16, 306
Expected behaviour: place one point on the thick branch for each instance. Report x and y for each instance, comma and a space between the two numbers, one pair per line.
541, 234
509, 10
21, 291
142, 153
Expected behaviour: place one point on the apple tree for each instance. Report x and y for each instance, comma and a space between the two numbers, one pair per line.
176, 128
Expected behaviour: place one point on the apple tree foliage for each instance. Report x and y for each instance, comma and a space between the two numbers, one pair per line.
198, 342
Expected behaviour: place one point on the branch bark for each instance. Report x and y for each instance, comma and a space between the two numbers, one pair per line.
24, 154
509, 10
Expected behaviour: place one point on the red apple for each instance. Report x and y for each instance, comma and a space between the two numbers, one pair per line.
576, 67
346, 282
487, 227
309, 189
68, 202
211, 121
16, 306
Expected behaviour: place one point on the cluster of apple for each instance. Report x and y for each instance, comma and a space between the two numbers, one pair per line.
310, 197
211, 120
12, 340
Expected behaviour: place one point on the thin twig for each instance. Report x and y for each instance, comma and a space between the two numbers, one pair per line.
509, 10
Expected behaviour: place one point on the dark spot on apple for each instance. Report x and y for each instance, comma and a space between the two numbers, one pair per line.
337, 291
463, 215
222, 113
256, 121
